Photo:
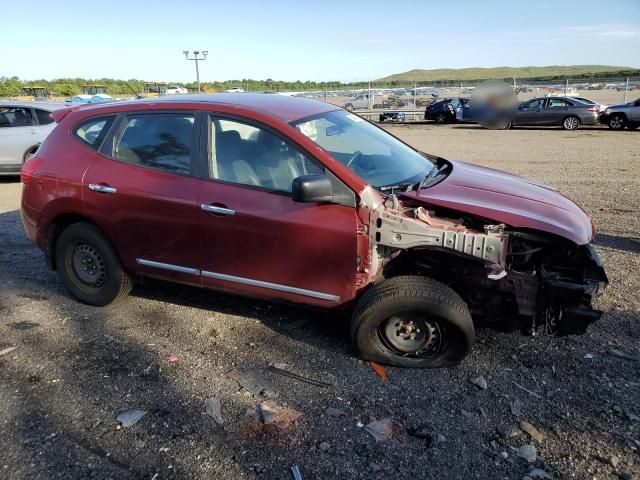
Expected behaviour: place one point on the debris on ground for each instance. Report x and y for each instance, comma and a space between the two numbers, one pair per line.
622, 355
253, 382
384, 429
527, 390
324, 446
588, 356
533, 432
172, 359
614, 461
479, 382
7, 350
380, 371
295, 376
335, 412
296, 472
130, 417
528, 452
516, 408
213, 408
540, 474
269, 418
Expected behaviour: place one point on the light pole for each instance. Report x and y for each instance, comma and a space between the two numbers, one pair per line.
196, 59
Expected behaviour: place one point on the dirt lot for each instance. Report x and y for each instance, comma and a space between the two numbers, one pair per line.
167, 349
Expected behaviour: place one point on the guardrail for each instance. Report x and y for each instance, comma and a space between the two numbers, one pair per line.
417, 115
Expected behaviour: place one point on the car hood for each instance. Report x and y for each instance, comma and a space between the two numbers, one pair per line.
510, 199
621, 105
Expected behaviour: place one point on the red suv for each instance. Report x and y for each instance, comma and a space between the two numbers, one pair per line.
301, 201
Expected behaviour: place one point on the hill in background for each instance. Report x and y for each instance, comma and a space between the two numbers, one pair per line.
467, 74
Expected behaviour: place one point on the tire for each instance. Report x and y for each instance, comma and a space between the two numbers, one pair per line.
633, 126
29, 153
399, 307
349, 107
441, 118
89, 266
617, 122
571, 123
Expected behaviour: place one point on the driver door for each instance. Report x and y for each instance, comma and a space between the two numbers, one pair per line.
254, 238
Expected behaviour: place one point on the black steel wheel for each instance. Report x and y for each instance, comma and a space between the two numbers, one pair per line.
412, 321
89, 266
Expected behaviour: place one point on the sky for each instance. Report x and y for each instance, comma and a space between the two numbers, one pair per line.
303, 40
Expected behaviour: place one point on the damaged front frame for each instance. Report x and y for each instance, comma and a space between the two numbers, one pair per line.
415, 228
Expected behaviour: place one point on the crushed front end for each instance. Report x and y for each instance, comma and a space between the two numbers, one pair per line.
517, 278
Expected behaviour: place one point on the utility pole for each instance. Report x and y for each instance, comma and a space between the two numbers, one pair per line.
196, 58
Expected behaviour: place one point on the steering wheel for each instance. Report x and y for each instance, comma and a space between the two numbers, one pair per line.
354, 158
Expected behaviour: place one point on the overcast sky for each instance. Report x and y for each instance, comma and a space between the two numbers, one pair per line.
326, 40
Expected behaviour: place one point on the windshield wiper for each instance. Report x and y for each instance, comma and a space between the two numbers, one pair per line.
430, 174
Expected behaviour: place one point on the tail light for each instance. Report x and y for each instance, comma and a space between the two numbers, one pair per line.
594, 109
29, 168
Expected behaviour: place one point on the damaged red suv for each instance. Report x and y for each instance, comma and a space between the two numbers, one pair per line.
297, 200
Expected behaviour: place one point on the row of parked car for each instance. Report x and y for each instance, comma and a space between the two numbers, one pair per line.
568, 112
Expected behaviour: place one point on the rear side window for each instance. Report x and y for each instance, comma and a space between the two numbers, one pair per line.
15, 117
558, 103
158, 140
44, 117
93, 131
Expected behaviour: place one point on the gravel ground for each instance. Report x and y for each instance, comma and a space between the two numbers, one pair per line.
168, 348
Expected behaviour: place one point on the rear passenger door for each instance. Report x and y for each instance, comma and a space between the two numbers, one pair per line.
142, 192
254, 238
556, 110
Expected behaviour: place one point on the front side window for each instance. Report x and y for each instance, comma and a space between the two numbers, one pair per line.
534, 104
250, 155
15, 117
377, 157
93, 131
157, 140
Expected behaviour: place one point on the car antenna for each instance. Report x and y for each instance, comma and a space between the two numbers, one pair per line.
138, 96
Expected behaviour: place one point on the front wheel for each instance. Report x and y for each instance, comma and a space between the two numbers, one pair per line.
349, 107
441, 118
571, 123
414, 322
89, 266
617, 122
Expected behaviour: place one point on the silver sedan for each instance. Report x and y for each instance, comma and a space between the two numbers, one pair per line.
23, 127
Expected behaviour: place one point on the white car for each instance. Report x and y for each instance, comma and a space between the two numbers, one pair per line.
175, 90
235, 90
23, 127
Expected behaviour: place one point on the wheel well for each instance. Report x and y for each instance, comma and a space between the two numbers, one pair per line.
570, 116
56, 227
619, 114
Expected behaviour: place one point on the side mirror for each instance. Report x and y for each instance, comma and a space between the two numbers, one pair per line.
312, 189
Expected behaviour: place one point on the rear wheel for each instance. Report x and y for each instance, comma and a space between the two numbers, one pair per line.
412, 321
348, 107
617, 122
571, 123
89, 266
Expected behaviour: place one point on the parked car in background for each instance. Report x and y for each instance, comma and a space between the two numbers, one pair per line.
235, 90
23, 126
360, 102
559, 111
176, 90
447, 110
245, 193
620, 116
587, 101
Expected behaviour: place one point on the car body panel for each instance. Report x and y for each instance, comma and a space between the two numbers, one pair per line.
510, 199
271, 238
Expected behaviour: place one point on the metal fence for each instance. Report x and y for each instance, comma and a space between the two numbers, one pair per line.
412, 97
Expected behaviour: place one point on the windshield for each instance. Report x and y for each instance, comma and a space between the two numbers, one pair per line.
370, 152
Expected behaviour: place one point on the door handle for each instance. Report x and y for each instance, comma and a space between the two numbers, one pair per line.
217, 209
101, 188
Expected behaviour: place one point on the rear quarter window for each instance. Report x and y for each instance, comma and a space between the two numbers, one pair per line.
92, 132
44, 117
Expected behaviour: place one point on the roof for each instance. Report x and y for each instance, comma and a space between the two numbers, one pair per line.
49, 106
285, 108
